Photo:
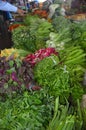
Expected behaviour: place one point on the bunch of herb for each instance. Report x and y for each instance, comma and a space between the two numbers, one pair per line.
52, 76
75, 32
23, 39
78, 33
61, 120
33, 35
74, 58
66, 117
61, 34
60, 23
30, 19
58, 40
30, 110
60, 79
15, 75
40, 28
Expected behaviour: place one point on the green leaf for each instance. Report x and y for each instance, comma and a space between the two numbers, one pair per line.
10, 70
6, 85
11, 63
15, 83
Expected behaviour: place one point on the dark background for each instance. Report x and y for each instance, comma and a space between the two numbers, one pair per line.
5, 35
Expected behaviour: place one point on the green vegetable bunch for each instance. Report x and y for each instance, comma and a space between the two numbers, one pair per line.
66, 118
57, 40
23, 39
61, 119
60, 23
74, 55
78, 33
33, 35
52, 76
30, 110
15, 76
40, 28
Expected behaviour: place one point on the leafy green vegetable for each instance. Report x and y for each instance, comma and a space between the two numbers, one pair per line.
30, 110
60, 23
61, 120
23, 39
53, 77
29, 20
15, 75
33, 35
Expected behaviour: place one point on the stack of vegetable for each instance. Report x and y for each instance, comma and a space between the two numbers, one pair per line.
69, 32
61, 119
22, 39
54, 62
15, 75
29, 110
33, 35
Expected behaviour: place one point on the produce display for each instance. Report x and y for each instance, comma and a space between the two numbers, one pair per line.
33, 35
42, 76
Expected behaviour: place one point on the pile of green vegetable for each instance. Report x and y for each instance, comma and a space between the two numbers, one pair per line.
30, 110
33, 35
59, 78
70, 32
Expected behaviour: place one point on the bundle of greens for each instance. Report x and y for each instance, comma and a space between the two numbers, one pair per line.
75, 32
78, 33
61, 34
63, 75
53, 77
74, 58
61, 120
40, 28
28, 20
30, 110
57, 40
15, 75
60, 23
22, 39
74, 55
33, 35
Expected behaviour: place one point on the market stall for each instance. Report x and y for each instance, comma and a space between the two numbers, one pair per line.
43, 74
